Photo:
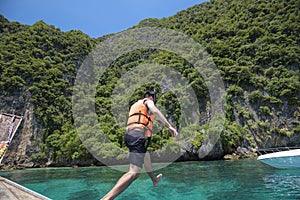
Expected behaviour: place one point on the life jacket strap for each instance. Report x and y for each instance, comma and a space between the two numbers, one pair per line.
139, 113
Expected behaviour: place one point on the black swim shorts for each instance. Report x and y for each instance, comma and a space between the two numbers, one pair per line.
136, 142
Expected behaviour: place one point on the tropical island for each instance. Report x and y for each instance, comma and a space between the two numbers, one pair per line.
254, 44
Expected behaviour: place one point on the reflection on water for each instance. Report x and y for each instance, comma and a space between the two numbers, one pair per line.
284, 182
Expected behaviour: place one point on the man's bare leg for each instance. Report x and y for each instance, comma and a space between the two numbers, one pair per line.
123, 182
149, 170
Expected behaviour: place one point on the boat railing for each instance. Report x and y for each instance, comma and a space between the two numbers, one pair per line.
276, 149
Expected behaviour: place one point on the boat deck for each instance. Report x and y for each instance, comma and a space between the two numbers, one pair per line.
12, 191
276, 149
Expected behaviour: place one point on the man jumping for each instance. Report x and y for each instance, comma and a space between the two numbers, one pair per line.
137, 138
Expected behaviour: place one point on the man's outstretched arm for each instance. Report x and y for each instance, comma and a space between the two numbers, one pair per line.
161, 117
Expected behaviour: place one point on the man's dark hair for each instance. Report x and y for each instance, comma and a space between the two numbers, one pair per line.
149, 93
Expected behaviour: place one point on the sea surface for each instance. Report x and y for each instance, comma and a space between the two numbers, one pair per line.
207, 180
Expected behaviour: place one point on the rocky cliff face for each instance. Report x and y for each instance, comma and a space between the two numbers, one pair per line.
26, 141
277, 126
27, 138
263, 132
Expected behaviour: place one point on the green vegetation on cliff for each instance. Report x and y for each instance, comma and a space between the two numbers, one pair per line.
255, 45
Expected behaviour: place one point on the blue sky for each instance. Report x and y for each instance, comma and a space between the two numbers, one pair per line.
93, 17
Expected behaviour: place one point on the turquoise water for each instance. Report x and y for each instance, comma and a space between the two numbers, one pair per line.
207, 180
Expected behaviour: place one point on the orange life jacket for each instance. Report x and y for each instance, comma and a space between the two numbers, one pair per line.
140, 117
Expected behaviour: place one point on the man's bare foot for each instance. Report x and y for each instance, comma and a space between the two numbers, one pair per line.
158, 178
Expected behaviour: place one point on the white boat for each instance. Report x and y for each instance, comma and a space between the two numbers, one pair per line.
282, 159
